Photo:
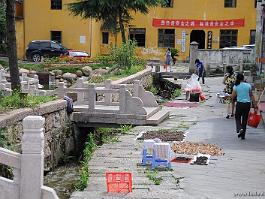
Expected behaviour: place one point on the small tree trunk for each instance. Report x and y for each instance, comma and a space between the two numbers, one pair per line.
115, 39
11, 44
122, 28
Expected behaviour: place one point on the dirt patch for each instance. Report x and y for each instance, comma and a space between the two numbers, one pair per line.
164, 135
182, 160
191, 148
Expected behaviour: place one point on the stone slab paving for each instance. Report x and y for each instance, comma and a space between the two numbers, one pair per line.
240, 171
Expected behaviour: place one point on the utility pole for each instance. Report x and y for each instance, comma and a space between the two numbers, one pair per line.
260, 37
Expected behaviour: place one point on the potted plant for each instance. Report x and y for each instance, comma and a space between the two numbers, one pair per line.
174, 54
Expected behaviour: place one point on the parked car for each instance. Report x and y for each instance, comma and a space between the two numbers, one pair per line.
44, 48
249, 46
76, 53
244, 47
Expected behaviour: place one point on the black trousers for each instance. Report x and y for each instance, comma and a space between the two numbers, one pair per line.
201, 75
241, 115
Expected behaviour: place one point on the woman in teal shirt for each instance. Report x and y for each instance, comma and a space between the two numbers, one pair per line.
243, 94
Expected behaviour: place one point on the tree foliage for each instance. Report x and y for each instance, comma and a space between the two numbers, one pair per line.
2, 25
2, 19
115, 14
124, 56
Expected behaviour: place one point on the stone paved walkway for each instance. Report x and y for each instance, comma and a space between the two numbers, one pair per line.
240, 171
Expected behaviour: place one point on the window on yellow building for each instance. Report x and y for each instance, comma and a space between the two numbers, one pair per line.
252, 36
166, 38
19, 10
138, 35
230, 3
56, 4
56, 36
105, 37
256, 2
228, 38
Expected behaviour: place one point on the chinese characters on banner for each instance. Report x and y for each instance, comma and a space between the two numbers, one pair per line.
209, 39
188, 23
183, 41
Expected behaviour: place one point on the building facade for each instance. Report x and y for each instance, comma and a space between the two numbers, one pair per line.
211, 23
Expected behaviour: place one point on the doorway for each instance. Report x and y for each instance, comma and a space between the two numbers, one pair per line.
199, 37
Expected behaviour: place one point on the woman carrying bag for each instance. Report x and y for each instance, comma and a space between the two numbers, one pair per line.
229, 82
242, 93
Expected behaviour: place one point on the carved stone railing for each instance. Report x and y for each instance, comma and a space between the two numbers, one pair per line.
130, 98
5, 86
27, 167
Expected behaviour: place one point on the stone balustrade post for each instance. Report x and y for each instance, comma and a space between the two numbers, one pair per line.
2, 86
36, 81
61, 89
33, 90
24, 86
224, 68
3, 79
1, 74
24, 77
108, 96
91, 97
136, 84
8, 85
122, 97
241, 66
80, 82
32, 158
85, 85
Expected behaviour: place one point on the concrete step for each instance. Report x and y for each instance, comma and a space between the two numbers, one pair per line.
151, 111
158, 117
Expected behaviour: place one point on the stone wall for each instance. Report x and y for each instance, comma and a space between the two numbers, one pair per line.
144, 76
59, 137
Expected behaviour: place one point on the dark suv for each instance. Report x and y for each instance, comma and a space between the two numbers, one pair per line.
44, 48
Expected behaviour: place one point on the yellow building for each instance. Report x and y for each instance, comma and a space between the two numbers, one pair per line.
212, 23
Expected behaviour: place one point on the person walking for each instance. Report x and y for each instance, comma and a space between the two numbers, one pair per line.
243, 94
200, 70
229, 81
168, 58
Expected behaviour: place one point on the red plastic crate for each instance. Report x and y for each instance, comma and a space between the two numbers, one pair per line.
119, 182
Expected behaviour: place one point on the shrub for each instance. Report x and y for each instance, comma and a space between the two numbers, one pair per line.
124, 56
153, 89
177, 93
36, 67
4, 63
96, 79
174, 52
66, 68
90, 147
105, 60
17, 100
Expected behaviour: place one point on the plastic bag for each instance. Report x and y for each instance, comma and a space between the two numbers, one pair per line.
193, 84
202, 97
254, 119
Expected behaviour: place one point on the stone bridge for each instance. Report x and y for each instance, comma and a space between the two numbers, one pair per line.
110, 103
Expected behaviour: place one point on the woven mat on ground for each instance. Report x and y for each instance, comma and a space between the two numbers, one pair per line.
181, 104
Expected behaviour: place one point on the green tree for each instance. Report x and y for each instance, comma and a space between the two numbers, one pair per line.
2, 25
11, 44
116, 13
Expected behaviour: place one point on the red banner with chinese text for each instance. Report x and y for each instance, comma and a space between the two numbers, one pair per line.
189, 23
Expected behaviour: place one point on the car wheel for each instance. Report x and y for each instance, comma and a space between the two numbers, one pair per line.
36, 57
